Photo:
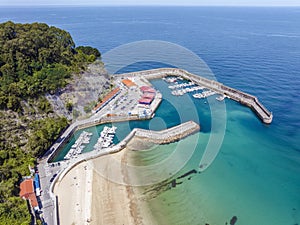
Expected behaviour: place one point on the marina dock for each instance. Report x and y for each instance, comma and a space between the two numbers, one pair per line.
246, 99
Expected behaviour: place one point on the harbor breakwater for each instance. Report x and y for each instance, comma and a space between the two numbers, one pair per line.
244, 98
168, 135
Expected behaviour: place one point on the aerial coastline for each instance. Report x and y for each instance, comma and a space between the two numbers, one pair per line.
103, 115
253, 180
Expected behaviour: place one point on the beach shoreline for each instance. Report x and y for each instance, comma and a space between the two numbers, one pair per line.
93, 198
74, 192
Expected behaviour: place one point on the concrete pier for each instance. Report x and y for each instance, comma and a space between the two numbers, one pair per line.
168, 135
246, 99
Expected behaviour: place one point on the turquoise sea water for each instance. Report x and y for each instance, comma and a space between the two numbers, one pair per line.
256, 175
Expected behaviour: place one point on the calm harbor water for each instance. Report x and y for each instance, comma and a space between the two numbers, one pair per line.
256, 174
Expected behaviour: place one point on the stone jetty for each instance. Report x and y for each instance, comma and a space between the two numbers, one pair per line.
168, 135
246, 99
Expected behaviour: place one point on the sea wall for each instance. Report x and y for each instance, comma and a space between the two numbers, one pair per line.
168, 135
244, 98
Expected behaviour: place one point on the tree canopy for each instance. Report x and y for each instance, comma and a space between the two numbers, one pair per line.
37, 58
89, 51
34, 59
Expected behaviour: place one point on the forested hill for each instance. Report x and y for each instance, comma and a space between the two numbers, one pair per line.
35, 59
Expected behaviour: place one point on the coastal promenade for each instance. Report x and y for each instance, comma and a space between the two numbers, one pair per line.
246, 99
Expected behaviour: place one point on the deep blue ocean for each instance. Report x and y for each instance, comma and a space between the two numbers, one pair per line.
256, 175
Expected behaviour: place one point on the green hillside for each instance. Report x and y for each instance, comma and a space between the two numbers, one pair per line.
35, 59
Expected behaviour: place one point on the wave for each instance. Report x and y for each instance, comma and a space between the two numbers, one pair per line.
283, 35
274, 35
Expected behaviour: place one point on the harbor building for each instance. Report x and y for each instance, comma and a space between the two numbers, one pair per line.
27, 193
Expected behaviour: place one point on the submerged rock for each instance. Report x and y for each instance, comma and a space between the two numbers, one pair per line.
187, 174
173, 183
233, 220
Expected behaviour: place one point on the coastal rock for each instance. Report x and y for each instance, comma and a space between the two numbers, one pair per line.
187, 174
174, 183
233, 220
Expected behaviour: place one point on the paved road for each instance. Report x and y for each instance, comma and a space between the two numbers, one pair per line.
47, 173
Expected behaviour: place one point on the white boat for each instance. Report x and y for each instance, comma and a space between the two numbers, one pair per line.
198, 95
79, 145
208, 93
112, 130
170, 79
106, 138
221, 97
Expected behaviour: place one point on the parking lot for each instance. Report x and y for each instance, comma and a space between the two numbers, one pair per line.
125, 103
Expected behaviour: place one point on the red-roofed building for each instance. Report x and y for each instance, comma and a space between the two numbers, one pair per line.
151, 90
129, 83
144, 88
106, 99
145, 101
148, 95
147, 89
27, 192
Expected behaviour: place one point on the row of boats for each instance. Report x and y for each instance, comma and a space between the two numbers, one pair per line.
186, 90
183, 88
79, 145
182, 85
105, 140
204, 94
106, 137
172, 79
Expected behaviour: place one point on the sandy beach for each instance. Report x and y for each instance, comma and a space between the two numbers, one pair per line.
87, 196
74, 193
